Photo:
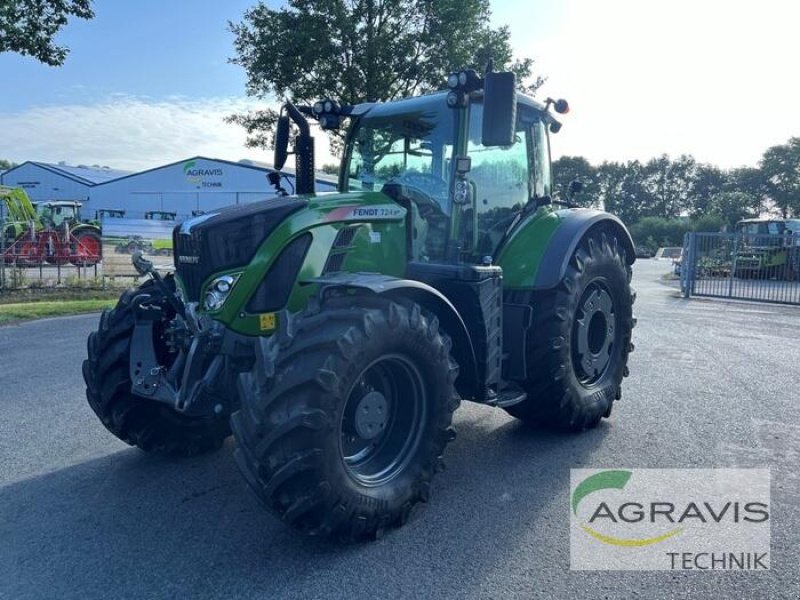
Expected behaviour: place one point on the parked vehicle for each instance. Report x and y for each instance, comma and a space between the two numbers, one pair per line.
770, 248
337, 333
47, 232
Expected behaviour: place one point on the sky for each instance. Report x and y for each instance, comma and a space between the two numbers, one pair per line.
149, 82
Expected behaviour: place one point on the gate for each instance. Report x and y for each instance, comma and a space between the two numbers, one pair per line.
742, 266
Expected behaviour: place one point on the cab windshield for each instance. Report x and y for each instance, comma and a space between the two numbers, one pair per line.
407, 142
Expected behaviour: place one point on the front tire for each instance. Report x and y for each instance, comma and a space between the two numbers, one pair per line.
147, 424
579, 342
343, 423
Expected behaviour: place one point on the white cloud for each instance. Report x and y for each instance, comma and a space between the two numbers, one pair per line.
712, 78
127, 132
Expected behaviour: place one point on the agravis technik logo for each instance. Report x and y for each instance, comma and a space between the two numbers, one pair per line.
715, 519
613, 480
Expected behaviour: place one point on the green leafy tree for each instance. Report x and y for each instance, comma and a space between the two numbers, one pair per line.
708, 180
732, 207
575, 168
710, 223
621, 189
669, 186
780, 166
750, 181
664, 232
363, 51
330, 169
29, 27
6, 164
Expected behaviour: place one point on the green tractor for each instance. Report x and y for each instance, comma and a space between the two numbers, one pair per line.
47, 232
335, 334
768, 248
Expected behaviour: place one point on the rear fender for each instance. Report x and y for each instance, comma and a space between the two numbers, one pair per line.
538, 254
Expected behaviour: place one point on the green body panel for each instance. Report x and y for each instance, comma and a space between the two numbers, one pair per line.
162, 244
521, 255
378, 246
758, 259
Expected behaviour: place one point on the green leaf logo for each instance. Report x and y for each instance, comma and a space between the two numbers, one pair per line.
599, 481
616, 480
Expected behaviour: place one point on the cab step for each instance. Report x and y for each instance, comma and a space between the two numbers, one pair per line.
507, 398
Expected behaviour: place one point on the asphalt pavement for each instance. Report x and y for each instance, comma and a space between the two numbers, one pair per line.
82, 515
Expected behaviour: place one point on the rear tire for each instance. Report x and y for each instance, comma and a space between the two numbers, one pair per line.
303, 448
579, 342
147, 424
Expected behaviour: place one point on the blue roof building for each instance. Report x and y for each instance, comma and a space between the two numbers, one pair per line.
46, 181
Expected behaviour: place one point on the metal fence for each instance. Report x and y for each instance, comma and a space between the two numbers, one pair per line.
113, 271
48, 268
764, 268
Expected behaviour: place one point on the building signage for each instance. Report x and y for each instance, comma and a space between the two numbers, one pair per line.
202, 177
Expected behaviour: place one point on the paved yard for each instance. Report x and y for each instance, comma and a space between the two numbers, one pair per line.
84, 516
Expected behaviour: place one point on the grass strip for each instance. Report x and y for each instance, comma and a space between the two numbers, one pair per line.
25, 311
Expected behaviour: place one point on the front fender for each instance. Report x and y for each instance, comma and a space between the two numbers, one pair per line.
429, 298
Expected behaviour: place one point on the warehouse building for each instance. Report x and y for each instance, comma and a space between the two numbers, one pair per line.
45, 181
197, 184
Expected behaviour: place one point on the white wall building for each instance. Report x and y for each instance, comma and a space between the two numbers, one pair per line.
46, 181
194, 184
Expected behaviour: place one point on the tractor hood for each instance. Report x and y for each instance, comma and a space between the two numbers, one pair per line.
230, 237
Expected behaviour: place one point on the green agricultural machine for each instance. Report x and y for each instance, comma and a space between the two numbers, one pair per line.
769, 248
49, 232
335, 334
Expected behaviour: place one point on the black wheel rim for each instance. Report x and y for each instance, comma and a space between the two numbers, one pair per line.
382, 421
594, 333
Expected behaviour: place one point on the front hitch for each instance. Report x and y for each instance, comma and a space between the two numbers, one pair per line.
145, 267
201, 379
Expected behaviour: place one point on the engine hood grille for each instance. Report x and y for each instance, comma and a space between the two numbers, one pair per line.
225, 239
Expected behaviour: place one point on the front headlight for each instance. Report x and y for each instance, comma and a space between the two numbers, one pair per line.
218, 290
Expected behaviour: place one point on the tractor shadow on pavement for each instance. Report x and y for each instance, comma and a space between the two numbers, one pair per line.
129, 522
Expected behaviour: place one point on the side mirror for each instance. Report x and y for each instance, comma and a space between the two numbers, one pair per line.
281, 142
499, 109
575, 187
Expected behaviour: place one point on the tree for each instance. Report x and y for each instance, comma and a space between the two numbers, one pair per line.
669, 185
750, 181
780, 166
621, 189
6, 164
363, 51
664, 232
575, 168
732, 207
28, 27
708, 181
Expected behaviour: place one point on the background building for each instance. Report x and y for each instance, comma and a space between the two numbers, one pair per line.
45, 181
197, 184
191, 185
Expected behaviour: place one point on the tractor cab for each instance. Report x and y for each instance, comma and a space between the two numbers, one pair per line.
56, 213
109, 213
160, 215
433, 158
766, 232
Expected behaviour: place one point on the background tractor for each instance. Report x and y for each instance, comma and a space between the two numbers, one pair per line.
336, 333
47, 232
770, 248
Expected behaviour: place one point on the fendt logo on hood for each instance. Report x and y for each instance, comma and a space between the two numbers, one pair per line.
670, 519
